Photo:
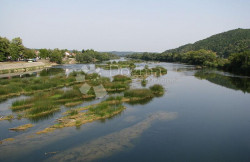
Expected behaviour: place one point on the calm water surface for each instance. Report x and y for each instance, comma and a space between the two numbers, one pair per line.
208, 119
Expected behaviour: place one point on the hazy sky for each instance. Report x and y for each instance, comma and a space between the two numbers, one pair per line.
122, 25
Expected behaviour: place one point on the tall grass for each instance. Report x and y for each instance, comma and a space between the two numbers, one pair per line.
121, 78
138, 93
157, 89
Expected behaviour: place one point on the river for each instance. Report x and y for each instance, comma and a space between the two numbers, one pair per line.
203, 116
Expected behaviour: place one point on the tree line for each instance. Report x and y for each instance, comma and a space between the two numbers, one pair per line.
90, 56
236, 62
14, 50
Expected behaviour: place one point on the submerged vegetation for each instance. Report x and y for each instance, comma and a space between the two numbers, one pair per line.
22, 127
94, 112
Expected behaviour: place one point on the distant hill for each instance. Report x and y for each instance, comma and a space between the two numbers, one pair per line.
223, 44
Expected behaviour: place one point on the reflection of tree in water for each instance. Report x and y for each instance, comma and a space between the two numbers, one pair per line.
235, 83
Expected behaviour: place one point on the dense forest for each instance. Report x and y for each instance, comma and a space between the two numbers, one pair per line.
223, 44
229, 50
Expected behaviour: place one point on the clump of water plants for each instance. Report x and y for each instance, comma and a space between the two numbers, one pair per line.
8, 117
22, 127
94, 112
73, 112
138, 94
144, 82
121, 78
143, 94
118, 65
18, 86
156, 71
157, 89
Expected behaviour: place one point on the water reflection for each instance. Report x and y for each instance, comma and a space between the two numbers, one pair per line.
236, 83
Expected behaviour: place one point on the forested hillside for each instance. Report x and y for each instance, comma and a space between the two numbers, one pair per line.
233, 41
229, 50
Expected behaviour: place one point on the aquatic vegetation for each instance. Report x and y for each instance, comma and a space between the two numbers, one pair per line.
73, 112
156, 71
118, 65
71, 104
115, 86
8, 117
116, 98
138, 93
157, 89
22, 127
94, 112
144, 82
7, 140
112, 143
121, 78
144, 95
19, 86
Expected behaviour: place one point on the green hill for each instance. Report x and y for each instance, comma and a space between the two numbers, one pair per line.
233, 41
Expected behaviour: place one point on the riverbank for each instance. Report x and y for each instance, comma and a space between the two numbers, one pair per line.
17, 67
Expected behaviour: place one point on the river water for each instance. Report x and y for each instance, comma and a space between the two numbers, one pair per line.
203, 116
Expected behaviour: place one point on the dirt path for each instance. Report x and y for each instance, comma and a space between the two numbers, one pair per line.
21, 66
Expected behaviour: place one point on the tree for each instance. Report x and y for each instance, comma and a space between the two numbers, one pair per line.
4, 48
16, 48
56, 56
44, 53
240, 61
29, 53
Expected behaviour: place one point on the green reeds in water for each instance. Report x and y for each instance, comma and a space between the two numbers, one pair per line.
104, 109
121, 78
158, 90
138, 93
144, 83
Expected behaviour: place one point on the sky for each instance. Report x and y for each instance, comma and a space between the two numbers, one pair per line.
119, 25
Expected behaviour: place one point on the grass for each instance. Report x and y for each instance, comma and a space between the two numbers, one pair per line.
76, 118
73, 112
144, 82
22, 127
116, 98
18, 86
138, 93
121, 78
157, 71
157, 89
116, 86
117, 65
143, 96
